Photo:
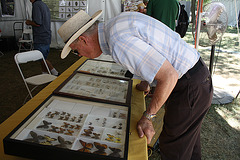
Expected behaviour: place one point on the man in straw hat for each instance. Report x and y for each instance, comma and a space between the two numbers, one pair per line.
152, 51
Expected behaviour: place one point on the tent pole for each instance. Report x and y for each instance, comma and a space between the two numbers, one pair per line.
198, 23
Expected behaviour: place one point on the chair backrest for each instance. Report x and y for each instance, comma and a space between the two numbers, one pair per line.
27, 33
34, 79
24, 57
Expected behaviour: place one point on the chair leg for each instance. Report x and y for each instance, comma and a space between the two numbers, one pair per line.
1, 54
237, 94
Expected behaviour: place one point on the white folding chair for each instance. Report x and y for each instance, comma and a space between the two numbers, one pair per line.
26, 41
37, 79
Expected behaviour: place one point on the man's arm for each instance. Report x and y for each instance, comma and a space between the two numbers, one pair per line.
167, 78
29, 22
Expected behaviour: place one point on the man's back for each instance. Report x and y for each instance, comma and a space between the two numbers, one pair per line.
41, 16
165, 11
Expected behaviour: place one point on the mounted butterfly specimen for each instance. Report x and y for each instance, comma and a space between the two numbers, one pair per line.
87, 132
110, 138
62, 142
49, 139
96, 136
101, 148
86, 146
45, 124
115, 152
35, 137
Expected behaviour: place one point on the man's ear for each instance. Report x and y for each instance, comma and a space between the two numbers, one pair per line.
83, 39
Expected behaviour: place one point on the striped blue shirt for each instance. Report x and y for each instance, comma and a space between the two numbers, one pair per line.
142, 44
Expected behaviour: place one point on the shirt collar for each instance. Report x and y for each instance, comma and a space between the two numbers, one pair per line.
102, 39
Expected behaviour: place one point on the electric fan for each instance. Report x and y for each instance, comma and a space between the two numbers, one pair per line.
213, 24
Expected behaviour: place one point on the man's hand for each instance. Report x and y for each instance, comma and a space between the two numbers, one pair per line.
143, 86
145, 127
29, 22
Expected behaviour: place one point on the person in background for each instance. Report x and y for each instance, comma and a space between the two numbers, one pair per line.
151, 50
41, 25
165, 11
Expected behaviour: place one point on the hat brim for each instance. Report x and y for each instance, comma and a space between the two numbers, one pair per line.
66, 48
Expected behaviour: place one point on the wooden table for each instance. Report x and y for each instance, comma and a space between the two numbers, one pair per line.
137, 146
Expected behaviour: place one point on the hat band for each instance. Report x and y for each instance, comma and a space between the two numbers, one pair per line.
76, 31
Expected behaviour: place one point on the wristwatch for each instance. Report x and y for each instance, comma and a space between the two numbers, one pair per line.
149, 116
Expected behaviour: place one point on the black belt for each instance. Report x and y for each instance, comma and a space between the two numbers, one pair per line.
194, 69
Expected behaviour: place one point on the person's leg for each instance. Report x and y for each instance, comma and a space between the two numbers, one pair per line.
45, 49
185, 110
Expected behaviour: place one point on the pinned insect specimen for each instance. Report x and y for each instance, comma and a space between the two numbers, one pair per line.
83, 3
79, 120
78, 127
69, 132
115, 152
49, 139
120, 126
91, 128
71, 126
45, 124
101, 148
62, 142
122, 116
48, 114
87, 132
63, 113
57, 113
61, 118
118, 140
35, 137
81, 116
65, 125
110, 138
68, 114
54, 129
104, 122
114, 114
86, 146
96, 136
61, 130
46, 143
73, 119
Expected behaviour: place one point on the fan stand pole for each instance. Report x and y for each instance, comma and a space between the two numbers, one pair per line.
211, 59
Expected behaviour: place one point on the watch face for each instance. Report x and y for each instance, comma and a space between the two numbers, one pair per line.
149, 116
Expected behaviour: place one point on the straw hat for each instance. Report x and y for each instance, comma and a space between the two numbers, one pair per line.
74, 27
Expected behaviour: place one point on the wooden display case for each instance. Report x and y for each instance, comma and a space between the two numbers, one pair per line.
94, 87
105, 68
69, 128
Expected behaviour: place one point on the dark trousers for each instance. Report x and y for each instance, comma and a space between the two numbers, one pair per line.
185, 110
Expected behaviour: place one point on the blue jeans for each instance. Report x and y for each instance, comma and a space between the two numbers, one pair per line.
44, 48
